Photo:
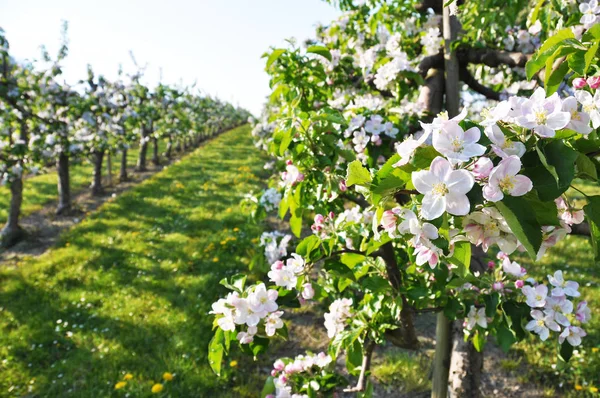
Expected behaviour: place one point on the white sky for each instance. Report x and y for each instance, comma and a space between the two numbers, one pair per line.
216, 42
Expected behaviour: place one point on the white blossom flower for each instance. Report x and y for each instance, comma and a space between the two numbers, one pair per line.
445, 189
536, 296
542, 324
591, 105
502, 146
456, 144
573, 335
543, 115
562, 287
476, 317
504, 180
580, 121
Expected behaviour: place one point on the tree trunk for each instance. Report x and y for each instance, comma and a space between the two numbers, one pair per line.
123, 171
64, 184
443, 333
12, 231
109, 180
178, 146
141, 163
169, 148
466, 365
97, 188
155, 158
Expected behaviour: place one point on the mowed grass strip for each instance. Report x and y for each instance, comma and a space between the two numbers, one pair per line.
124, 296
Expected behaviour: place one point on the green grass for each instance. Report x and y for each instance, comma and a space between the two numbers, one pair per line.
575, 256
41, 189
128, 290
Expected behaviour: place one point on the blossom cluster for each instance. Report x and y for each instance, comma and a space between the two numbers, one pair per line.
285, 370
275, 244
335, 320
259, 304
286, 274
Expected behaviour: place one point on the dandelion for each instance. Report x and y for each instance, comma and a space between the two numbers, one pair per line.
128, 376
593, 389
120, 385
595, 349
157, 388
167, 376
215, 259
578, 387
233, 363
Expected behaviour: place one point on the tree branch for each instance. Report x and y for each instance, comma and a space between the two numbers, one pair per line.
365, 367
474, 85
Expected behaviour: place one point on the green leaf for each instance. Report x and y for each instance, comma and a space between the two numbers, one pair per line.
296, 222
551, 169
357, 174
237, 282
592, 34
566, 351
590, 55
516, 313
322, 51
269, 388
479, 340
586, 168
461, 257
273, 56
307, 245
592, 209
556, 38
388, 180
215, 351
554, 79
546, 213
351, 260
577, 62
505, 337
354, 355
554, 155
521, 219
286, 140
595, 238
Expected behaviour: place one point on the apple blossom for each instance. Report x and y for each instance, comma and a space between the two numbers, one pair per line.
579, 82
456, 144
262, 300
308, 292
558, 308
536, 296
562, 287
273, 322
513, 268
502, 146
411, 224
427, 253
583, 313
591, 105
543, 115
580, 121
482, 168
476, 317
589, 11
445, 189
573, 335
339, 311
542, 324
504, 180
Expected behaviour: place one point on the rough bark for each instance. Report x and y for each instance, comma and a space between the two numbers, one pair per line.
109, 179
169, 149
64, 184
141, 162
123, 170
441, 360
12, 231
466, 365
97, 188
155, 158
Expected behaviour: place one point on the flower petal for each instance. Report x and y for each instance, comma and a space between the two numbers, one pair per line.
433, 206
457, 204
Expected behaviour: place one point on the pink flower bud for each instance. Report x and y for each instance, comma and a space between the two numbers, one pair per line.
274, 373
319, 219
579, 82
331, 215
491, 265
279, 365
288, 162
498, 286
308, 292
594, 82
501, 256
300, 177
277, 265
270, 396
519, 284
343, 186
482, 167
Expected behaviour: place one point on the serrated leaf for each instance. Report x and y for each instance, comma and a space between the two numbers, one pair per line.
216, 350
357, 174
276, 53
320, 50
461, 258
522, 221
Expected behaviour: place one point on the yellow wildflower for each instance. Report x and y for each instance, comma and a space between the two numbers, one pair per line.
128, 376
120, 385
578, 387
157, 388
233, 363
236, 229
594, 389
167, 376
595, 349
216, 259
